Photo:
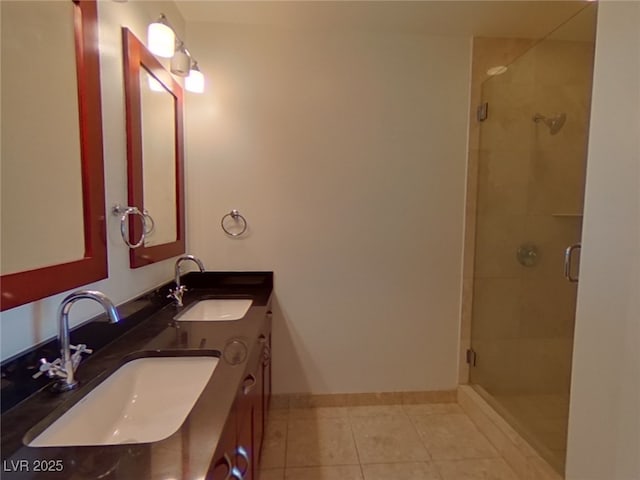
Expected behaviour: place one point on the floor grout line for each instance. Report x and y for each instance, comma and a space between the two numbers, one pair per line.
415, 428
286, 443
355, 443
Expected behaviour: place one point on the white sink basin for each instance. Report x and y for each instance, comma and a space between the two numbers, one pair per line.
145, 400
216, 309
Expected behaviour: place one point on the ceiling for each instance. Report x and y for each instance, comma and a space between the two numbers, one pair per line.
513, 18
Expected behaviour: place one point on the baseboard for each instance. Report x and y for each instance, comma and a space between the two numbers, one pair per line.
306, 400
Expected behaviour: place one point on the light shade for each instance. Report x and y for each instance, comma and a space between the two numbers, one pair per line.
181, 62
195, 81
161, 39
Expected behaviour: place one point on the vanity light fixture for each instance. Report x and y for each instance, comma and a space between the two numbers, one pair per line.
161, 39
181, 61
195, 81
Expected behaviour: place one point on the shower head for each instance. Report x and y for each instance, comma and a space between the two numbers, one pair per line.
554, 123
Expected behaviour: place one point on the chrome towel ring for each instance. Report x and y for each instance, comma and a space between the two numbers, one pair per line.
148, 230
238, 220
124, 212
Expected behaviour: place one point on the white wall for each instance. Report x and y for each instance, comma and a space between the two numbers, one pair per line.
24, 326
604, 422
346, 152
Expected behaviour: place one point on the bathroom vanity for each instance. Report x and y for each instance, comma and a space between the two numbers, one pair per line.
221, 435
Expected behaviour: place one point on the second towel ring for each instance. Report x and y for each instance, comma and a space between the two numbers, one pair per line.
235, 215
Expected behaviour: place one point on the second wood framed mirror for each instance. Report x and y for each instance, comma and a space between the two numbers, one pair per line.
155, 154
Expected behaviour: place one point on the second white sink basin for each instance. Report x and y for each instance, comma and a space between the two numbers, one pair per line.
145, 400
216, 309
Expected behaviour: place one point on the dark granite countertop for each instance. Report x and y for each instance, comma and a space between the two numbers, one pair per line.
187, 453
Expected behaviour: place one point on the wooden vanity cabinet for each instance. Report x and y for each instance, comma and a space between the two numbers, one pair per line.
222, 464
234, 457
237, 456
265, 385
249, 408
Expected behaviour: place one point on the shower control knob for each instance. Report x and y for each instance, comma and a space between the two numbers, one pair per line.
527, 255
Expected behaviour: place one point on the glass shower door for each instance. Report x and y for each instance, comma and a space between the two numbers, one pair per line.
533, 149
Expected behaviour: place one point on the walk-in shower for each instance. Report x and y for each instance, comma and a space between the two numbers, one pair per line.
531, 172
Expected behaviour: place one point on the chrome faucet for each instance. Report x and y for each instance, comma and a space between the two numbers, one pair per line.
178, 292
64, 368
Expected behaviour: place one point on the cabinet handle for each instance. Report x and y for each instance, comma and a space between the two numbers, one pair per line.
266, 356
235, 473
262, 339
229, 466
249, 383
242, 453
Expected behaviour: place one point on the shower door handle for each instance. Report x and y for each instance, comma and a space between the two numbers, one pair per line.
568, 260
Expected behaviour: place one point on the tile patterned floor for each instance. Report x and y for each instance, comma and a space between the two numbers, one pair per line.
391, 442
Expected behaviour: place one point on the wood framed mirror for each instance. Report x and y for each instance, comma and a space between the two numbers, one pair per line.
53, 196
155, 158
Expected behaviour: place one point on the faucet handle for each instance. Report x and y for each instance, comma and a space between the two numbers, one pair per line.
76, 358
176, 294
176, 291
81, 348
47, 367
